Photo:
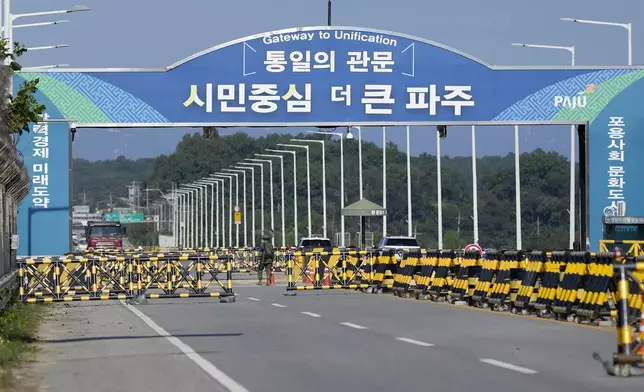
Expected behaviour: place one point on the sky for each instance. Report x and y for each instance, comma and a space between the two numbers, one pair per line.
155, 34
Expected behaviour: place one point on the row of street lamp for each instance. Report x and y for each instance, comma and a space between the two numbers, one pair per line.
7, 26
189, 208
571, 49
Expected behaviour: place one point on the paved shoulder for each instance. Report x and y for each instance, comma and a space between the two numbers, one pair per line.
105, 347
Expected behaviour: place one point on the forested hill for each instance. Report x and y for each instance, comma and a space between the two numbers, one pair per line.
544, 182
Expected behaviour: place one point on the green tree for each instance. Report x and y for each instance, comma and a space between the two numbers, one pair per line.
23, 108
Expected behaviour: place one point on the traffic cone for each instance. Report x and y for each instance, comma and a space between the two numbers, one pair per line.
308, 276
271, 280
327, 277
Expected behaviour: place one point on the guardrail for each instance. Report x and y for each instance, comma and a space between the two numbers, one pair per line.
135, 277
244, 260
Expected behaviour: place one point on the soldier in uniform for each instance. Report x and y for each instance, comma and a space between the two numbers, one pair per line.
267, 254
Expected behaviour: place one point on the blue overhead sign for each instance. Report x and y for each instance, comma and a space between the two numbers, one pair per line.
356, 76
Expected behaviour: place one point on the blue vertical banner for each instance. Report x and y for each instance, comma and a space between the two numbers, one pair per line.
616, 182
44, 215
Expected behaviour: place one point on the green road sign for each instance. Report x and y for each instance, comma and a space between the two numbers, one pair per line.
124, 218
132, 218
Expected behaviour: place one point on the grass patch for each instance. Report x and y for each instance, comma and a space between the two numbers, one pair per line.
19, 324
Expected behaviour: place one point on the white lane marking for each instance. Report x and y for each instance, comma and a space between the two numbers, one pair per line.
253, 299
508, 366
356, 326
219, 376
416, 342
279, 305
311, 314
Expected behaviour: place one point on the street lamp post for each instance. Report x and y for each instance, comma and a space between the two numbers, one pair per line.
359, 159
261, 190
190, 216
341, 136
209, 240
243, 172
570, 49
38, 67
573, 136
9, 18
181, 217
252, 197
384, 179
517, 185
281, 158
189, 219
308, 181
475, 193
198, 213
295, 233
627, 26
270, 169
229, 177
323, 179
409, 212
203, 217
222, 216
214, 211
439, 187
51, 23
236, 204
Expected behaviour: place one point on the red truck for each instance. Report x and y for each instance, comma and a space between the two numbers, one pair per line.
104, 235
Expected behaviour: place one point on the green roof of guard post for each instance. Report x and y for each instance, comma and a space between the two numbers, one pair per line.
364, 208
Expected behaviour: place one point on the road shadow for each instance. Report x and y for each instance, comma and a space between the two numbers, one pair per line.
135, 337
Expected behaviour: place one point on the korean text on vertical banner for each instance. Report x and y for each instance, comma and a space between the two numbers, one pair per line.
40, 166
616, 172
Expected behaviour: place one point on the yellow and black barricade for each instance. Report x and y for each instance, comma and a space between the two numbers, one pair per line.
383, 264
91, 278
337, 269
571, 283
508, 277
467, 276
550, 282
532, 273
594, 295
442, 280
404, 275
485, 282
427, 264
629, 352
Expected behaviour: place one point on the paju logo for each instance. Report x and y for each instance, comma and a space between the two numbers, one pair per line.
578, 101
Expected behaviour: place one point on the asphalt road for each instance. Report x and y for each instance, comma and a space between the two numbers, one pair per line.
266, 342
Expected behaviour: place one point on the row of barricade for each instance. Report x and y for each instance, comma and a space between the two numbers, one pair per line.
566, 285
138, 277
244, 260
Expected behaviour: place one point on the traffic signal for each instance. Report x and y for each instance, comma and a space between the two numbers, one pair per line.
207, 132
442, 131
